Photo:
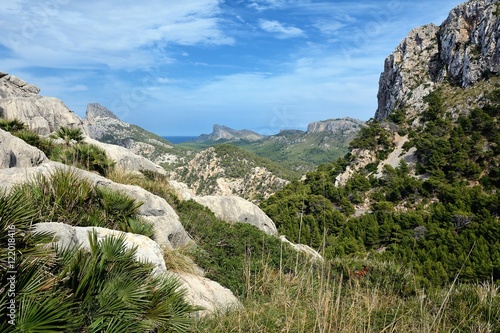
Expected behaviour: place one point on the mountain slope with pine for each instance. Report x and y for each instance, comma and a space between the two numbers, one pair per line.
420, 184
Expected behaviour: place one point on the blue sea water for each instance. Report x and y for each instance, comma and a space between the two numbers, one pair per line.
179, 139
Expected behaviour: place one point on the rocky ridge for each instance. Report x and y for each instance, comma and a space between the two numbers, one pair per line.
207, 173
462, 51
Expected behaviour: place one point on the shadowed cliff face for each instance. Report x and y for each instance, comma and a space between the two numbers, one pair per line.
462, 51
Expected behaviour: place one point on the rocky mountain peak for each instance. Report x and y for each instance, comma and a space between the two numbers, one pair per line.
221, 132
462, 50
96, 110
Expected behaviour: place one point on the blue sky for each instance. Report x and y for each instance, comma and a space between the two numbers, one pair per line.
176, 67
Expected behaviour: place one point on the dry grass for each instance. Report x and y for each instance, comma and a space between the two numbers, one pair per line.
179, 260
324, 301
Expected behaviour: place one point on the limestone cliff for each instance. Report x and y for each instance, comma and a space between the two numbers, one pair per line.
462, 51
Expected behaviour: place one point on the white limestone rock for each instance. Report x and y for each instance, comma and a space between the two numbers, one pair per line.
126, 159
236, 209
14, 152
67, 236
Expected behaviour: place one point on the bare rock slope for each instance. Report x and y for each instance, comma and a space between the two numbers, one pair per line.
462, 50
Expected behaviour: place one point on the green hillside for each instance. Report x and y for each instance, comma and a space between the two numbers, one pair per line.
440, 220
295, 150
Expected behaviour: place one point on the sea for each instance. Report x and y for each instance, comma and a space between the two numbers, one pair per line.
179, 139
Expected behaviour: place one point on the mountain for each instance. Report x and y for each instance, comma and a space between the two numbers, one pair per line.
221, 132
420, 185
103, 125
296, 150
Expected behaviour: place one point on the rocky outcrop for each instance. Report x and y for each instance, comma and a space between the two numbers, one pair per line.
463, 50
313, 254
236, 209
14, 152
169, 231
43, 115
221, 132
11, 86
99, 121
200, 291
126, 159
342, 126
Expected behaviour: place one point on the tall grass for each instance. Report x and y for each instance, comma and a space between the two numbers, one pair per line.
326, 300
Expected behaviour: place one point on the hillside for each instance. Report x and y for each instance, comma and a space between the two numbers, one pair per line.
299, 151
420, 184
227, 170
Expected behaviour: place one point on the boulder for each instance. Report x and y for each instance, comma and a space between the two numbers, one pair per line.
43, 115
208, 294
14, 152
200, 291
126, 159
236, 209
70, 236
169, 231
303, 248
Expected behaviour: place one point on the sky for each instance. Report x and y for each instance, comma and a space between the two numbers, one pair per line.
177, 67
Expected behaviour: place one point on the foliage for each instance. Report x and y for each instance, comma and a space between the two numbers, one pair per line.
67, 197
116, 293
69, 134
335, 299
373, 137
13, 125
225, 248
73, 290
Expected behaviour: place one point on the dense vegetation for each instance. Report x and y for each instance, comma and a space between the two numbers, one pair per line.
440, 225
104, 289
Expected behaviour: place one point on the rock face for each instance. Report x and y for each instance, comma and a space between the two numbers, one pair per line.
463, 50
343, 126
15, 153
221, 132
200, 291
208, 294
236, 209
43, 115
169, 231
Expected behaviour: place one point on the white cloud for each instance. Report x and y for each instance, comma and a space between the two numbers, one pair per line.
113, 33
280, 30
